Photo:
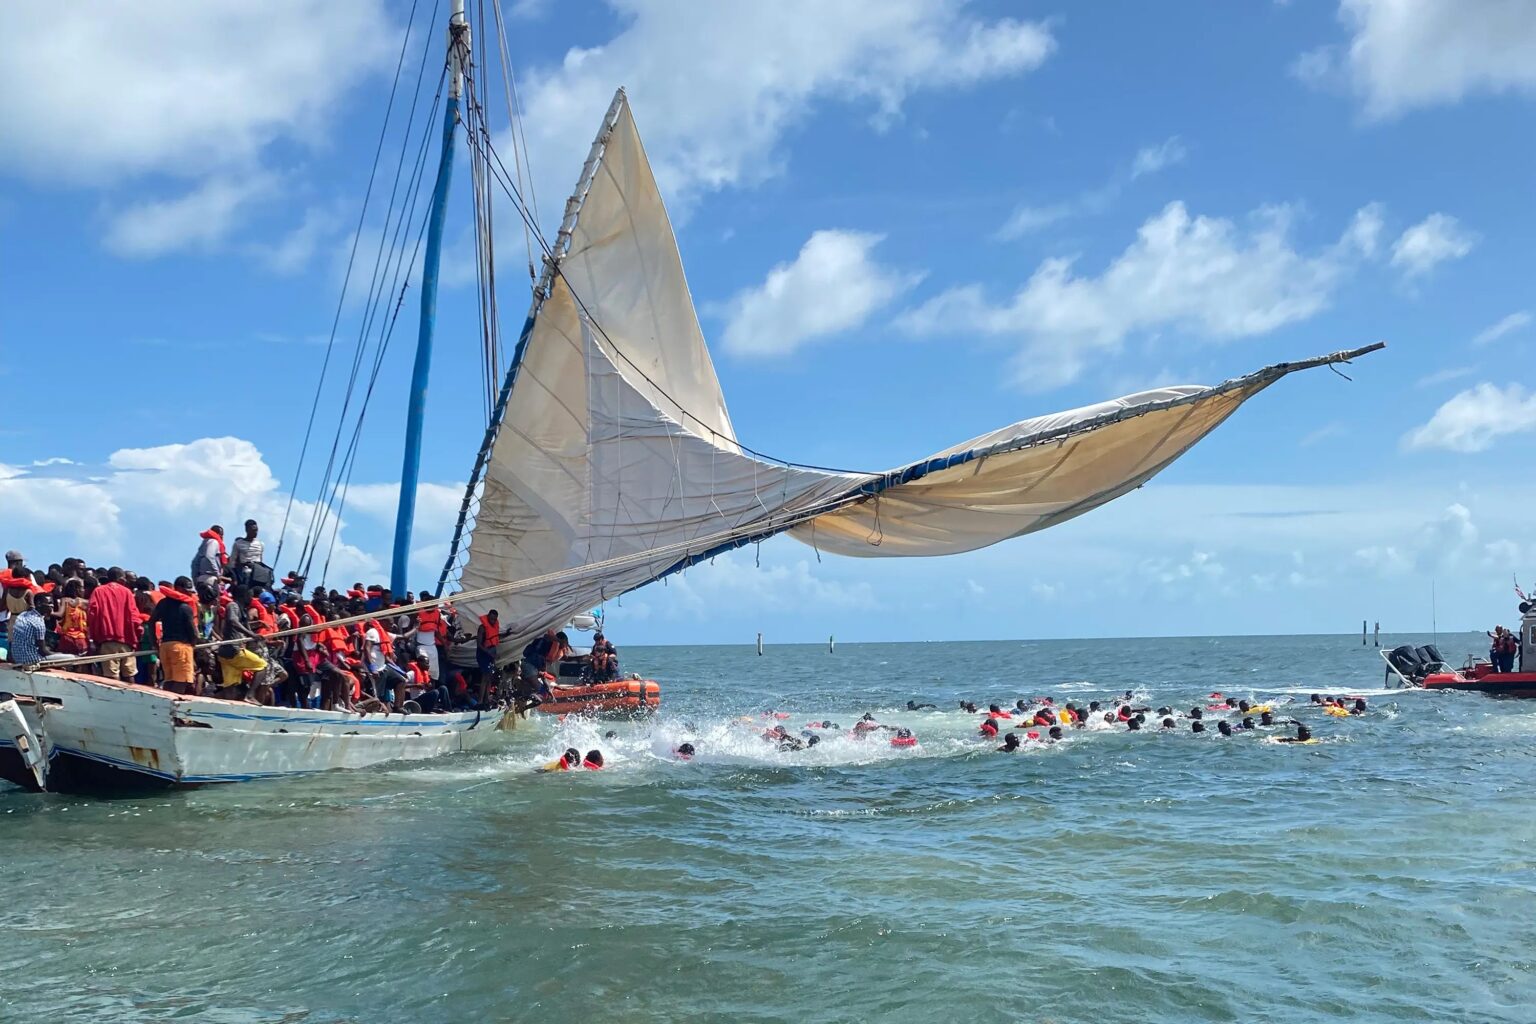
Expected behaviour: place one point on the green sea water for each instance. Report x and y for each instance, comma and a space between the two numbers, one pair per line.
1384, 874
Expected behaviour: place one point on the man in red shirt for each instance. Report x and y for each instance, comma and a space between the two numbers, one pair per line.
112, 624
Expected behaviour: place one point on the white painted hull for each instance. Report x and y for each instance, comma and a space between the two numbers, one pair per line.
99, 734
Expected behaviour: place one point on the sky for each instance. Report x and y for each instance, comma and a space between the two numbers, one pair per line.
904, 223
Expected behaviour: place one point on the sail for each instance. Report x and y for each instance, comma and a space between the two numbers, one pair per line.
614, 462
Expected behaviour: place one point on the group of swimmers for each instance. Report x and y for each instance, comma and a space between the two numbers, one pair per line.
1039, 721
1044, 714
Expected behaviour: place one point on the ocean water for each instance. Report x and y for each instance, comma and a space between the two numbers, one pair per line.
1384, 874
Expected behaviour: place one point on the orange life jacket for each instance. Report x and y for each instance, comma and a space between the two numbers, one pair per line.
263, 621
386, 642
492, 633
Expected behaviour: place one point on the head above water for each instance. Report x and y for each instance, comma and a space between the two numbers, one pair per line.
594, 758
1011, 741
572, 756
685, 750
1266, 719
1133, 725
1303, 733
1168, 723
1197, 727
1225, 728
1055, 732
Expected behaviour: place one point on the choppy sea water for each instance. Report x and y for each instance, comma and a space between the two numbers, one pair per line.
1384, 874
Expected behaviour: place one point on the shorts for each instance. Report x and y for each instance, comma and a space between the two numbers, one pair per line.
231, 670
176, 661
485, 662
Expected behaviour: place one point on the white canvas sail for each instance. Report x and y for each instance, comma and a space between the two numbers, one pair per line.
615, 462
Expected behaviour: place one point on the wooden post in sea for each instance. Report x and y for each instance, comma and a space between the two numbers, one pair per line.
1378, 634
1363, 624
759, 645
831, 644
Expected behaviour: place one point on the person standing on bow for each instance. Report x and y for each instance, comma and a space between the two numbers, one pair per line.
209, 562
246, 554
112, 625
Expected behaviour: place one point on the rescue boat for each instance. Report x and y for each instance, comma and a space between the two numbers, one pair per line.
623, 696
1425, 667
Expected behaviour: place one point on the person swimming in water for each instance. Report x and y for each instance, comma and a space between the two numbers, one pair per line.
1224, 727
1196, 714
1303, 735
914, 706
1197, 727
594, 761
1316, 699
1168, 723
1247, 724
684, 752
1266, 718
564, 763
1010, 743
1133, 725
1359, 708
1054, 733
988, 729
966, 705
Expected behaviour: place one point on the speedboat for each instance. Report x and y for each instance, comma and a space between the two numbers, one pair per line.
1425, 667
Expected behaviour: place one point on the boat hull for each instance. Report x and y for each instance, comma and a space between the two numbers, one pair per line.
99, 735
1494, 684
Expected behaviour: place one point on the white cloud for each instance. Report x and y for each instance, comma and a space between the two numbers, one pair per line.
1204, 275
1472, 420
294, 251
198, 219
1151, 159
716, 86
105, 93
145, 506
1431, 242
831, 286
1404, 55
1514, 322
103, 89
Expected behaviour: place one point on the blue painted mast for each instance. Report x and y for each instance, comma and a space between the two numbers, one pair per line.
410, 470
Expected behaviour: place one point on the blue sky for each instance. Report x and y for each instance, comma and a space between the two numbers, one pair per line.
904, 224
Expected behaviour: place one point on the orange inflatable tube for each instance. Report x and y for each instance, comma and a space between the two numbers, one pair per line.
632, 696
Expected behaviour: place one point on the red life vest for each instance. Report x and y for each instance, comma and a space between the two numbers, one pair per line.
264, 620
492, 637
386, 642
430, 620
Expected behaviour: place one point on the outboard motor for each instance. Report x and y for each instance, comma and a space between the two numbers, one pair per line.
1429, 657
1406, 660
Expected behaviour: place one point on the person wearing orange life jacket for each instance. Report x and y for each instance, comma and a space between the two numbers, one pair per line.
432, 633
542, 656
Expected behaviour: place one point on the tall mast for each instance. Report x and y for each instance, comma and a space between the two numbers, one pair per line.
410, 470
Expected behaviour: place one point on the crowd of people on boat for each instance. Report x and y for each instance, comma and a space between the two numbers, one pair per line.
230, 629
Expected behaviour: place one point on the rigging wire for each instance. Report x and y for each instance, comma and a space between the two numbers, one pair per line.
347, 278
375, 294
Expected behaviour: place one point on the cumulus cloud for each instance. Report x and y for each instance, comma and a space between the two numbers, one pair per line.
1434, 240
102, 92
1403, 56
1513, 322
716, 86
1475, 418
1205, 275
145, 506
832, 285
